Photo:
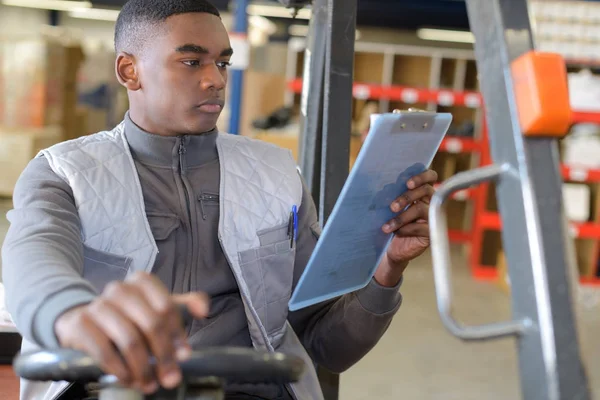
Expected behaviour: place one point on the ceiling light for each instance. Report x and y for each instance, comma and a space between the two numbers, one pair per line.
59, 5
304, 30
277, 11
262, 24
442, 35
99, 14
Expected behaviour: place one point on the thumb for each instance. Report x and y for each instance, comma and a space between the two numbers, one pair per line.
197, 304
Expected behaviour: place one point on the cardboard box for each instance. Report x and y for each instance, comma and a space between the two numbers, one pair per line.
38, 80
32, 82
18, 147
263, 93
290, 140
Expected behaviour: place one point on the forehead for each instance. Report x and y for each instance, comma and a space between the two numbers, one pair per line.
202, 29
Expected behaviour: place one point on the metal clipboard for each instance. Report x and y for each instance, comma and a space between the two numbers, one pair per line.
399, 146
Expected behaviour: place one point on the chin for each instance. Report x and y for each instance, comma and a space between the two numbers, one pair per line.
203, 125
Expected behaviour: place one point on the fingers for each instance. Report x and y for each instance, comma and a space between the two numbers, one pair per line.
418, 211
128, 340
165, 314
156, 315
417, 229
422, 193
90, 339
126, 325
198, 304
154, 331
429, 177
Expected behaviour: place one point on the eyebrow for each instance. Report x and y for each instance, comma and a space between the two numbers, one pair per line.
193, 48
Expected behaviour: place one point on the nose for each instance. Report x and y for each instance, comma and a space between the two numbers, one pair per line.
213, 78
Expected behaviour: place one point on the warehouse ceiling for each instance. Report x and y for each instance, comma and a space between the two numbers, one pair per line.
403, 14
411, 14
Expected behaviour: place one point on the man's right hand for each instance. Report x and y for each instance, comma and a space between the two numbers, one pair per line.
127, 324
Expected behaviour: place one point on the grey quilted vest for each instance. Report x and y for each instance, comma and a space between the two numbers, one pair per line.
108, 195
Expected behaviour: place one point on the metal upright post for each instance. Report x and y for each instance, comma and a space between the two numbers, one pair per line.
327, 110
535, 238
312, 99
336, 123
337, 107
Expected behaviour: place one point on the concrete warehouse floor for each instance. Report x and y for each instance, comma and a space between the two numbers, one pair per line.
419, 359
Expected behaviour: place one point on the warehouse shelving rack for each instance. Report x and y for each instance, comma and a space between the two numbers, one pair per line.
482, 220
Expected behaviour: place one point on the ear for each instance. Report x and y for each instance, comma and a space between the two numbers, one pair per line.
127, 72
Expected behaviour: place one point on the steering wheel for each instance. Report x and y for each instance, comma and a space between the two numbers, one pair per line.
231, 364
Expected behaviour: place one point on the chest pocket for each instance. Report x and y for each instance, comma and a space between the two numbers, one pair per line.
162, 224
269, 270
100, 268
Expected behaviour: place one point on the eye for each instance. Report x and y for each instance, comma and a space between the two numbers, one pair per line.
192, 63
224, 64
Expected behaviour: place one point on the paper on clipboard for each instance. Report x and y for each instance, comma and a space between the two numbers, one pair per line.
398, 147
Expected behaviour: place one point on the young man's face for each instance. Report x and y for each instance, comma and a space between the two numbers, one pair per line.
183, 74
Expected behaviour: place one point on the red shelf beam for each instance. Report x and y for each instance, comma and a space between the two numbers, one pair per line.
485, 273
586, 117
459, 236
589, 281
580, 174
459, 145
411, 95
491, 220
581, 230
406, 94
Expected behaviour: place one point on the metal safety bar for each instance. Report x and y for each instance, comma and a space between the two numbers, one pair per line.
441, 257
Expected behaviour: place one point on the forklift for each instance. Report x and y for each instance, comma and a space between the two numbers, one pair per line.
527, 110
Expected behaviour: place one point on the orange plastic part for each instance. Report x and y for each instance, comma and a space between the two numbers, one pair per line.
542, 94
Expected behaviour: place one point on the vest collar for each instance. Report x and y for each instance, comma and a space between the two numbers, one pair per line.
159, 150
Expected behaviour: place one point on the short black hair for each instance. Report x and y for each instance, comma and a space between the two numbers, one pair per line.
139, 19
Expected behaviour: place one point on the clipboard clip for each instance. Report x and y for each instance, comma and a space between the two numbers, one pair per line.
410, 110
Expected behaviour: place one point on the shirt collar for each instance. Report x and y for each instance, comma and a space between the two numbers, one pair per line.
154, 149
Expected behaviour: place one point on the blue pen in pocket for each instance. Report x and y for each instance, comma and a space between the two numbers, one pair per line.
294, 217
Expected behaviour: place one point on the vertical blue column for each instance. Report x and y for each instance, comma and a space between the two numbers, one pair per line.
237, 73
53, 17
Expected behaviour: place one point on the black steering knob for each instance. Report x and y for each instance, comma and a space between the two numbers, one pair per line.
232, 364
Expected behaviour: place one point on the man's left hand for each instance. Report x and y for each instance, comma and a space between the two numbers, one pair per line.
410, 228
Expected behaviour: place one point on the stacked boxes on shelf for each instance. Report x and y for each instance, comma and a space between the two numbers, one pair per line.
38, 98
570, 28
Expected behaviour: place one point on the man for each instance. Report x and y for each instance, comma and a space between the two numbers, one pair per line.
109, 232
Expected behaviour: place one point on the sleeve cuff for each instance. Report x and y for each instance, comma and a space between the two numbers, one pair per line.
54, 307
378, 299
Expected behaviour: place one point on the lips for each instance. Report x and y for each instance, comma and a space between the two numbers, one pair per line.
212, 106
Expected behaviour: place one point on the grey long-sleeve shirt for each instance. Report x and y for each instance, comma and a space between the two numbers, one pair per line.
43, 255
